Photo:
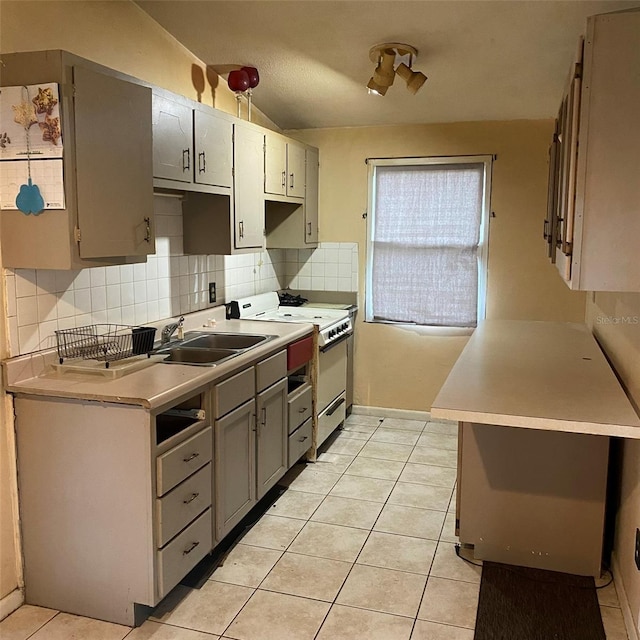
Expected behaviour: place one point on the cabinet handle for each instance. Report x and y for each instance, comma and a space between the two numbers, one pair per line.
191, 457
263, 421
255, 423
191, 498
190, 549
291, 185
147, 237
302, 409
241, 228
302, 439
202, 162
284, 179
308, 228
185, 167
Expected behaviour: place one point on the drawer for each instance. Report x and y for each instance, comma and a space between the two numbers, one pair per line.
300, 441
299, 407
331, 417
270, 370
299, 353
181, 505
184, 552
233, 392
180, 462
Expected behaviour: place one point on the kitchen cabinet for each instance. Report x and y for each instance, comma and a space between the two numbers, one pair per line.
232, 223
592, 227
271, 445
115, 502
284, 170
107, 167
250, 438
192, 145
291, 225
235, 467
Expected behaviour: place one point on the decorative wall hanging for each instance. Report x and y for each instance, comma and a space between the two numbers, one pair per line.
31, 149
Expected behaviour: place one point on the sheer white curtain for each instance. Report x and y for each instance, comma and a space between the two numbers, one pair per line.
425, 243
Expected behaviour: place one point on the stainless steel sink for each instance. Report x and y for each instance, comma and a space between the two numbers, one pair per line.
225, 341
206, 349
202, 357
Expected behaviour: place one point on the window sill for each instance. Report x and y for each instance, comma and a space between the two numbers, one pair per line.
425, 330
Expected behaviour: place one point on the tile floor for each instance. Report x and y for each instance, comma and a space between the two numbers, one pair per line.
361, 547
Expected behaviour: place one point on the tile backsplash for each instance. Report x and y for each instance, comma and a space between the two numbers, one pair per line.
169, 284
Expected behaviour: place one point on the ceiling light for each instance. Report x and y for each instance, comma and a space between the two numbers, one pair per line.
414, 79
386, 56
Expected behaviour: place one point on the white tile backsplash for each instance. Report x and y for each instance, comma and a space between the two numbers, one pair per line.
169, 284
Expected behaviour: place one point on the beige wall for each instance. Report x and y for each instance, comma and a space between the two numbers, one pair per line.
400, 368
615, 321
119, 35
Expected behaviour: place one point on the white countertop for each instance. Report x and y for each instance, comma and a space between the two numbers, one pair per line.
541, 375
153, 386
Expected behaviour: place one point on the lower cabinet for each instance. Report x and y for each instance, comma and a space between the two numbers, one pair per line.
235, 467
271, 446
250, 439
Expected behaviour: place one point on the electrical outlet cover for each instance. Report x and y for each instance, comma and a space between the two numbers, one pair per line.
212, 292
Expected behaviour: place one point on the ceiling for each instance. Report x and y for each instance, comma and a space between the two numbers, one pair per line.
485, 59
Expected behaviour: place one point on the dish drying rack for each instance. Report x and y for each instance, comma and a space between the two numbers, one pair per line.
104, 342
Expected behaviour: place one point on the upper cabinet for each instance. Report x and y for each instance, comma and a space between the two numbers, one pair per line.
284, 161
593, 218
224, 224
292, 223
102, 176
192, 145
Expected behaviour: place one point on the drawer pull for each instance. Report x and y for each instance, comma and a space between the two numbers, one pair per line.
191, 457
302, 439
302, 409
191, 498
191, 548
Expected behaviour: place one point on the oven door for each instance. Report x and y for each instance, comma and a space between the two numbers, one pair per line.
332, 373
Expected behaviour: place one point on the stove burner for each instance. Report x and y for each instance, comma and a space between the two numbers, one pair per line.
289, 300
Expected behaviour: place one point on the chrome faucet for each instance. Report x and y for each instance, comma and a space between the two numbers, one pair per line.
169, 329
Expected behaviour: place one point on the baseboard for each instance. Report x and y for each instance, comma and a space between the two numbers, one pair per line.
406, 414
629, 622
11, 602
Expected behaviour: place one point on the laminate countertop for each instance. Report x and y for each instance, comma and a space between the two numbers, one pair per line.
541, 375
153, 386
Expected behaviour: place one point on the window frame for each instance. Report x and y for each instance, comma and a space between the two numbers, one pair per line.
483, 243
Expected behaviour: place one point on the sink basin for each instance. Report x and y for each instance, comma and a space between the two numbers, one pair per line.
207, 349
203, 357
225, 341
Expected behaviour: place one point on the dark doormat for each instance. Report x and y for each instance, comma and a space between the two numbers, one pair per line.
518, 603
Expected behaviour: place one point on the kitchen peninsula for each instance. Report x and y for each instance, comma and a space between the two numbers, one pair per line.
536, 404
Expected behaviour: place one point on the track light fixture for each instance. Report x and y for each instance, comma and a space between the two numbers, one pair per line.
385, 56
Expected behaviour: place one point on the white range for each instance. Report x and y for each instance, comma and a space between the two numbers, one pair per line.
334, 328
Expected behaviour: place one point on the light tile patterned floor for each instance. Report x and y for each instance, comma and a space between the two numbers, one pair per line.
361, 547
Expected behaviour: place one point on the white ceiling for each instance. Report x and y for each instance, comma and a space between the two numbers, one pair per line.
485, 59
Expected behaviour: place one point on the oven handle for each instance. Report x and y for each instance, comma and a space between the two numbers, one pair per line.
342, 338
334, 408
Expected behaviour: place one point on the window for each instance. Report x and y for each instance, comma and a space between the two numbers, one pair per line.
427, 240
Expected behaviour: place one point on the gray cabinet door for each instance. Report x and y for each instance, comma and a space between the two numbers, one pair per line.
248, 190
234, 469
172, 140
272, 433
275, 164
113, 165
311, 198
295, 170
213, 149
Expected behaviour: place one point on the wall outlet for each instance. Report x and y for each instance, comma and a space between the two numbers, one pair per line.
637, 553
212, 292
